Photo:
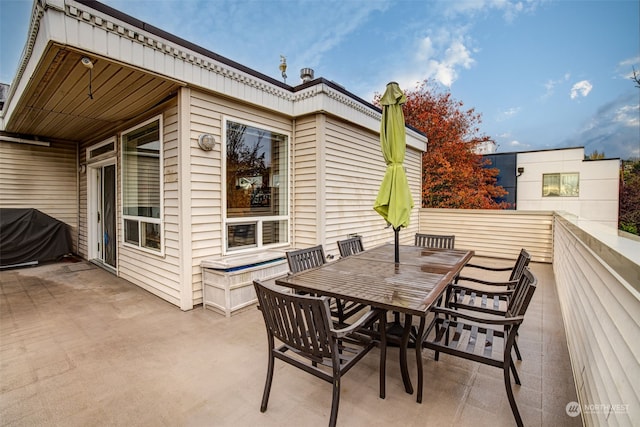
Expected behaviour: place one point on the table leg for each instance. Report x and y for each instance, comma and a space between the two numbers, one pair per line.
383, 354
419, 357
404, 344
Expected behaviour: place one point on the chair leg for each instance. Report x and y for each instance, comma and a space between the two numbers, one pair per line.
267, 385
515, 347
336, 400
516, 378
512, 400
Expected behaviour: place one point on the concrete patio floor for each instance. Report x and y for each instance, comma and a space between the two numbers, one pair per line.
79, 346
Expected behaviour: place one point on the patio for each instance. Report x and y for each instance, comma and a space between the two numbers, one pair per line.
80, 346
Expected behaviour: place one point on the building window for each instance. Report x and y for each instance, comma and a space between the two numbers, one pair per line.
560, 185
142, 186
257, 213
102, 150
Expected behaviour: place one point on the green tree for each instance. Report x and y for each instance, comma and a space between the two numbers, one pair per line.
629, 218
596, 155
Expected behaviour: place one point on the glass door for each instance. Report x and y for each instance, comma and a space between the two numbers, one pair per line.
105, 208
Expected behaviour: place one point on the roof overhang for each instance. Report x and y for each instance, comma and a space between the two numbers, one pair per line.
135, 68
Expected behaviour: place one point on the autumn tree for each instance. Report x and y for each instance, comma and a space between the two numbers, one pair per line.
453, 175
596, 155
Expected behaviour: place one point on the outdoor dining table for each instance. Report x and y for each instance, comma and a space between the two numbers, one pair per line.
411, 286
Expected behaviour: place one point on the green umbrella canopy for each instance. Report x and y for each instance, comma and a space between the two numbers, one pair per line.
394, 201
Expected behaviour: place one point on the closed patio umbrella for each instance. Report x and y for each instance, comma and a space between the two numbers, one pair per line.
394, 202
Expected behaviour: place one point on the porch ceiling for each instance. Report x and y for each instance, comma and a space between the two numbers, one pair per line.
56, 102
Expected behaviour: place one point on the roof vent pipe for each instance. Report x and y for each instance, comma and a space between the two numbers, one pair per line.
306, 74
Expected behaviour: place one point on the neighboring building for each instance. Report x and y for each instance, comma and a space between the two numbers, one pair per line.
164, 157
485, 147
562, 180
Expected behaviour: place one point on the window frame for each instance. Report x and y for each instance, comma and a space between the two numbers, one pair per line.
104, 155
257, 220
143, 219
560, 175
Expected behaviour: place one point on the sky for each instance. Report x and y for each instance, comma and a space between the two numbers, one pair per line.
542, 74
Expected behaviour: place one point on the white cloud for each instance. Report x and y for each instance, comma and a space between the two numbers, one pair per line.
440, 55
550, 85
582, 88
510, 9
516, 145
508, 113
628, 115
627, 67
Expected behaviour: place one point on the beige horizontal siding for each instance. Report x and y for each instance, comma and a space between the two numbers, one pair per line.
43, 178
354, 170
601, 313
494, 233
203, 204
304, 185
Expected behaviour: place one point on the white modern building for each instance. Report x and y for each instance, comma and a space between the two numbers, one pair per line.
561, 180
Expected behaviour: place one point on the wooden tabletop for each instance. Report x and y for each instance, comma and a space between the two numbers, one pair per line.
373, 278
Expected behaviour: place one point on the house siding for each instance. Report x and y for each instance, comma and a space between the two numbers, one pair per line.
338, 168
195, 90
43, 178
155, 273
600, 312
158, 274
304, 186
207, 115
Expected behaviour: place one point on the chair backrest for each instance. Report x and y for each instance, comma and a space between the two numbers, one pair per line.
435, 241
350, 246
522, 294
304, 259
301, 322
523, 260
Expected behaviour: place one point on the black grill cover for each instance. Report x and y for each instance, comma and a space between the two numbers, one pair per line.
28, 235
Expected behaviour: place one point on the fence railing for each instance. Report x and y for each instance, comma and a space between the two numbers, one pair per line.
494, 233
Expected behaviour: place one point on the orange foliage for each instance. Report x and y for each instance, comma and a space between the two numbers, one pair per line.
453, 175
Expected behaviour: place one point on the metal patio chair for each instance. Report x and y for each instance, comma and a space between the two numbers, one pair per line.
484, 340
491, 297
350, 246
434, 241
523, 260
305, 259
310, 342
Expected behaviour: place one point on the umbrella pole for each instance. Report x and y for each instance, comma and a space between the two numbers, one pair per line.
397, 244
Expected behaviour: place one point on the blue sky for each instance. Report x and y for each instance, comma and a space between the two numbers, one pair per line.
543, 74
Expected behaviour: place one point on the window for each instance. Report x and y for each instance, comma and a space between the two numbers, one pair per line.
257, 187
102, 150
142, 186
560, 185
